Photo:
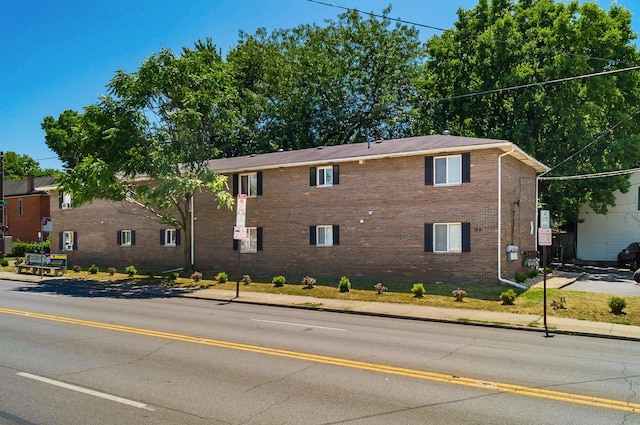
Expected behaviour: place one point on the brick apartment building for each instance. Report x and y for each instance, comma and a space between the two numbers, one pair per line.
27, 205
435, 208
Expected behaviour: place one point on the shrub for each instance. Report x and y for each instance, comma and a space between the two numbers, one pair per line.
131, 270
246, 279
617, 304
77, 268
222, 277
548, 269
508, 297
111, 271
520, 277
380, 288
459, 294
278, 280
533, 273
19, 260
174, 275
93, 269
196, 276
4, 262
308, 282
418, 290
559, 304
19, 248
344, 285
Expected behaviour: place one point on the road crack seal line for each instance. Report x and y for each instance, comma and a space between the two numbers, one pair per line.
354, 364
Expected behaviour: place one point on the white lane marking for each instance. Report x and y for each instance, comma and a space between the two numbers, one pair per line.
299, 324
85, 391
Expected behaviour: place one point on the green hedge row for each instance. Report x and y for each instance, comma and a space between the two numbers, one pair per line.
19, 248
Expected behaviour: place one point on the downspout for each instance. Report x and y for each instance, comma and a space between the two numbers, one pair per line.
193, 254
500, 253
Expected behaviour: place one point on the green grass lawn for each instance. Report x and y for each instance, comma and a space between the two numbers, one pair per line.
578, 305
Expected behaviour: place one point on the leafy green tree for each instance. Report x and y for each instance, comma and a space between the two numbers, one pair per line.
507, 43
150, 140
350, 81
17, 167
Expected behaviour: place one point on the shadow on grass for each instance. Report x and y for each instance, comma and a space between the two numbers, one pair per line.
122, 288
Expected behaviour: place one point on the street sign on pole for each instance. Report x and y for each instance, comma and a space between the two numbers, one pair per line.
545, 218
545, 237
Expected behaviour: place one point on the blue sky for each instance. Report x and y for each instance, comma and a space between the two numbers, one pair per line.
59, 55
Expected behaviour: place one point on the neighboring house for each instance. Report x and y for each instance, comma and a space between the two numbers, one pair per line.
424, 209
27, 206
600, 237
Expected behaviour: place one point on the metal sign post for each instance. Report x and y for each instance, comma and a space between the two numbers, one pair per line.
545, 239
240, 233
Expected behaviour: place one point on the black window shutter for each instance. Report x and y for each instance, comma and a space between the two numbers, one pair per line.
336, 174
259, 237
162, 241
428, 170
428, 237
75, 240
336, 234
312, 176
234, 183
60, 245
119, 237
259, 181
236, 244
466, 167
177, 236
133, 237
466, 237
60, 198
312, 235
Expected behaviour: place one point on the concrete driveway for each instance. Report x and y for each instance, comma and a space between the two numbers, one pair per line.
603, 279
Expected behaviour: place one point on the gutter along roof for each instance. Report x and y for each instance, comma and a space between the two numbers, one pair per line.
420, 145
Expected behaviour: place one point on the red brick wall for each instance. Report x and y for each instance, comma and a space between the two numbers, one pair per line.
25, 227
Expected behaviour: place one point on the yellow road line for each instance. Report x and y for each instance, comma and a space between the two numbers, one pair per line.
373, 367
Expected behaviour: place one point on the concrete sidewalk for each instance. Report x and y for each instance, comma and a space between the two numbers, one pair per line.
555, 325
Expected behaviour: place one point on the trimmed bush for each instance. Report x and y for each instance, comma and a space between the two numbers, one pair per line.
508, 297
76, 268
344, 285
19, 248
4, 262
131, 270
308, 282
278, 280
520, 277
196, 276
617, 304
222, 277
380, 288
418, 290
174, 275
111, 271
93, 269
533, 273
459, 294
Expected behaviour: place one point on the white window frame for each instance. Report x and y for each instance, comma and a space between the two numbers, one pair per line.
446, 165
324, 176
327, 236
452, 234
126, 237
248, 184
170, 237
66, 201
249, 245
67, 240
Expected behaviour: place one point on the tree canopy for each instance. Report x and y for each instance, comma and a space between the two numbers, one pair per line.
506, 43
160, 124
17, 167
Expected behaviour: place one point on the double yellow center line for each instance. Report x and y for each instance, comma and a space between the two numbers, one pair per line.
379, 368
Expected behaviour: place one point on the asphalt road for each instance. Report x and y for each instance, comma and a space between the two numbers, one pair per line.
604, 280
73, 356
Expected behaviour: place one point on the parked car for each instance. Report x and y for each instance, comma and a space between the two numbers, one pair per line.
630, 256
